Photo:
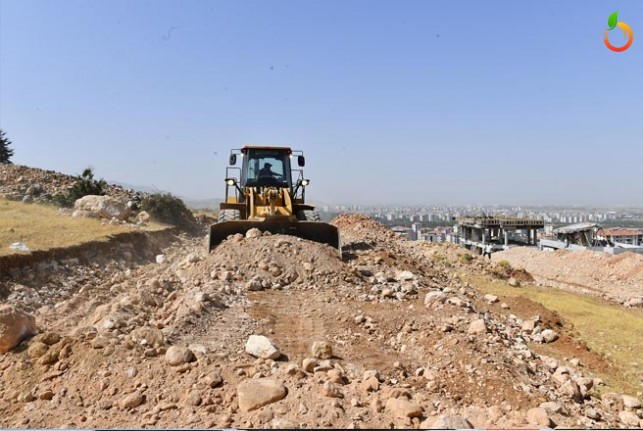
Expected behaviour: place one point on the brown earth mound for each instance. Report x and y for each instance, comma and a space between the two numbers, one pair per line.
618, 277
386, 337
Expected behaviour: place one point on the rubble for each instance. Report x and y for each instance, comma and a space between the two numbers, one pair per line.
384, 337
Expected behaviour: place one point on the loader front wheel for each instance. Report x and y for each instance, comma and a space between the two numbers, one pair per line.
308, 215
229, 215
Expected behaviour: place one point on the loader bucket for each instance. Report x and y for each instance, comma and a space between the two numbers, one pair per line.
311, 230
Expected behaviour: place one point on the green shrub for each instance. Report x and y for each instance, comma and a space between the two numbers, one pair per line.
85, 185
169, 209
465, 258
504, 264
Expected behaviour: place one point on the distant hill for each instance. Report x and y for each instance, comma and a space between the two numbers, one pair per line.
202, 203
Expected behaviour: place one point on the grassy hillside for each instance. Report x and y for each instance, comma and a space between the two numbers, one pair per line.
41, 227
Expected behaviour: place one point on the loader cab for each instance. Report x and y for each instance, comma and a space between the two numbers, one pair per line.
266, 167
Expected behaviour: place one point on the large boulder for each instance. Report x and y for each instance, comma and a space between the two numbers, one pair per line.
15, 326
103, 206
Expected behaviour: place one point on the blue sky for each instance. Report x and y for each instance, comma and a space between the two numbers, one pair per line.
392, 102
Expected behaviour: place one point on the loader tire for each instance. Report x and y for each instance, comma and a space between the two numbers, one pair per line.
308, 215
228, 215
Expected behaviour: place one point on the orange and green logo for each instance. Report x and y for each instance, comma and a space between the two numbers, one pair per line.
612, 22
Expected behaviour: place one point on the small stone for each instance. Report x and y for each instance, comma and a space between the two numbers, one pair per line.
132, 400
377, 406
513, 282
131, 372
178, 355
37, 349
538, 416
253, 233
309, 364
46, 395
261, 347
148, 336
477, 327
331, 390
402, 408
100, 342
435, 296
629, 418
591, 413
371, 384
322, 350
571, 390
404, 276
528, 325
256, 393
551, 407
504, 306
50, 338
160, 258
549, 336
491, 299
193, 399
213, 380
630, 402
447, 422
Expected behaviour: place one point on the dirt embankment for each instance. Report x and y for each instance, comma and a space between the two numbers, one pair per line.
387, 337
617, 277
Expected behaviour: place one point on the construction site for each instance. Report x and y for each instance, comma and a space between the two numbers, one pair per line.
263, 329
478, 232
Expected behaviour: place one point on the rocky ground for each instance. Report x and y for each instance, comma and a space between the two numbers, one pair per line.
273, 331
29, 184
618, 278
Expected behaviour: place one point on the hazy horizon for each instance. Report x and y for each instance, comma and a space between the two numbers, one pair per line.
403, 103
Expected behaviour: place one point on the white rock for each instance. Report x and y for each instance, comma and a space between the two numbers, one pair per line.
447, 422
629, 418
106, 207
160, 258
631, 402
404, 276
434, 296
253, 233
477, 327
261, 347
322, 350
491, 299
549, 336
178, 355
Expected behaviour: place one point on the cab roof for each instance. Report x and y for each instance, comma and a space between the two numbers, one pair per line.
245, 149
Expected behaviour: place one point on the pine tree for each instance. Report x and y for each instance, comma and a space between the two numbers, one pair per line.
5, 151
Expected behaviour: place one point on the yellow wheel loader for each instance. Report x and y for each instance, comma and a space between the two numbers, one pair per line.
268, 194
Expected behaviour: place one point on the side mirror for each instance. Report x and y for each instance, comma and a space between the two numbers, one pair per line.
301, 161
233, 159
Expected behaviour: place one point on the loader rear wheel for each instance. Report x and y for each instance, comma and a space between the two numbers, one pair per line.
229, 215
308, 215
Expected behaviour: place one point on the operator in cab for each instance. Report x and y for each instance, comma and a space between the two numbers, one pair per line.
266, 171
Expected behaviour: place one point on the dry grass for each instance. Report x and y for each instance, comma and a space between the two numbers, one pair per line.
40, 227
606, 328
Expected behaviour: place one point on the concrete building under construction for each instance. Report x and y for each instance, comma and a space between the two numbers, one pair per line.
478, 232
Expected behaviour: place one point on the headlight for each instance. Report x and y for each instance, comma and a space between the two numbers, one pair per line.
230, 181
305, 182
